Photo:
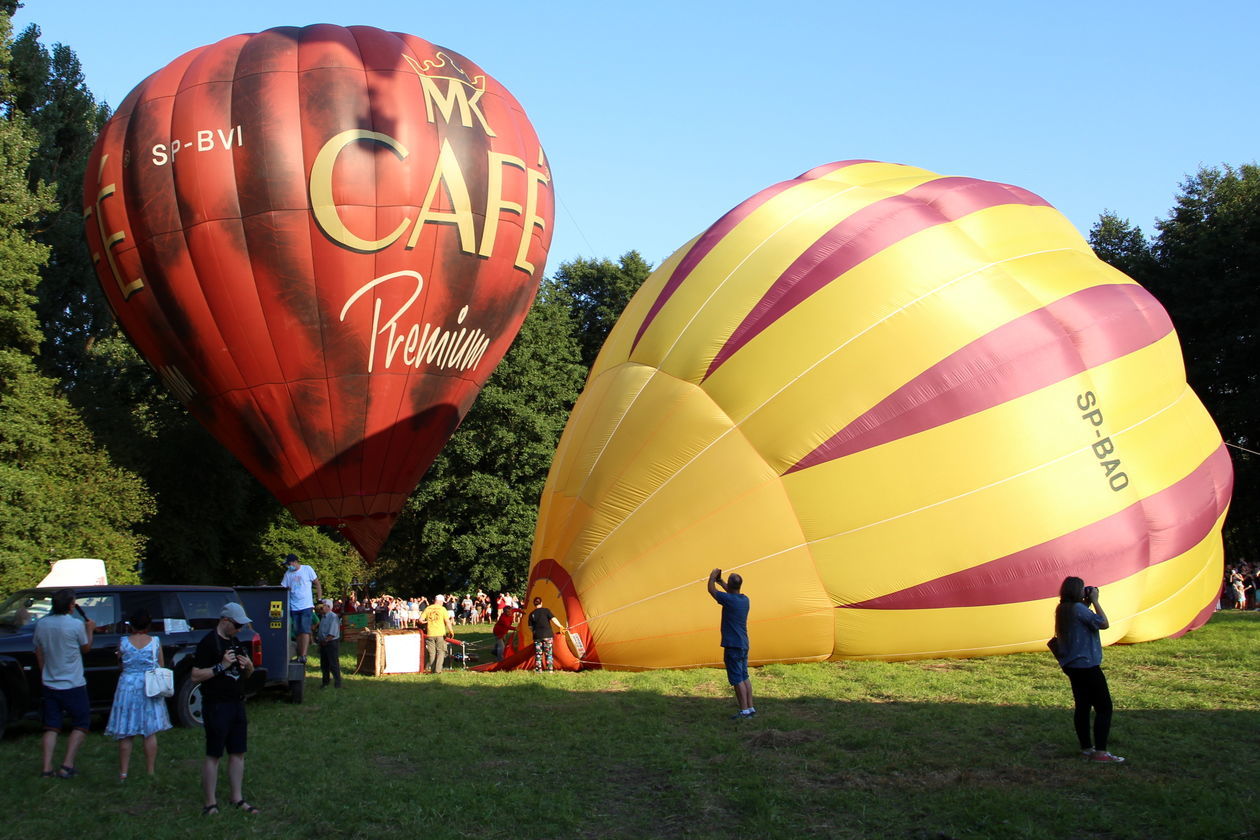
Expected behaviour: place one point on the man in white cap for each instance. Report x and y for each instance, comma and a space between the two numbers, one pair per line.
437, 626
328, 637
222, 667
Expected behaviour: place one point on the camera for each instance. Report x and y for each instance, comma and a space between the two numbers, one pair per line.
234, 670
1090, 592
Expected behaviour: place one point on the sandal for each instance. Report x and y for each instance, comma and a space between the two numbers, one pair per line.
210, 810
244, 806
66, 772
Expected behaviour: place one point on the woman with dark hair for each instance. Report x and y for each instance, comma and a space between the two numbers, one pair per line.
1079, 652
135, 714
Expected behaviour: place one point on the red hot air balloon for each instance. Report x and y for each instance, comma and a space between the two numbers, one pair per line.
323, 239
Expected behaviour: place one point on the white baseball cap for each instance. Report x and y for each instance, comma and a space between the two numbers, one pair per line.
235, 612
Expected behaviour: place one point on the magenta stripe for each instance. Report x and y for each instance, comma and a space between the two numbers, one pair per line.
861, 236
1144, 534
719, 229
1083, 330
1201, 618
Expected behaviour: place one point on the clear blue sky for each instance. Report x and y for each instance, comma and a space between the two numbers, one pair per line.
658, 117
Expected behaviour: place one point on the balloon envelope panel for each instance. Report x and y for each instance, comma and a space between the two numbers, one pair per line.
903, 407
323, 239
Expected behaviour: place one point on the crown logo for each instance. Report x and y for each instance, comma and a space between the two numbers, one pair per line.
462, 91
440, 60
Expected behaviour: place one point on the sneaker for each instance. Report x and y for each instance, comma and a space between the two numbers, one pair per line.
1105, 757
1088, 752
743, 715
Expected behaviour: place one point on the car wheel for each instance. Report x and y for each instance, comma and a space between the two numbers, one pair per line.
187, 703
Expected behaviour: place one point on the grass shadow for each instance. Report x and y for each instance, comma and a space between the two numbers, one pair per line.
615, 755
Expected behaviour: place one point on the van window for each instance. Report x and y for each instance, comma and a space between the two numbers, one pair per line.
163, 608
22, 610
103, 609
201, 609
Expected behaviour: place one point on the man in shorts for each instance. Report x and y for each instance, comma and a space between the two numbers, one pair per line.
734, 637
298, 579
222, 668
60, 642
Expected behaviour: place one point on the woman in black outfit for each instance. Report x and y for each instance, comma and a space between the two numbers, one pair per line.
1076, 627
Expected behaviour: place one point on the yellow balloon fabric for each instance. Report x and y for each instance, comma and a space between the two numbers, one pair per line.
903, 407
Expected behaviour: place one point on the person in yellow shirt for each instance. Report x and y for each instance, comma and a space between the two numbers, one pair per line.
437, 626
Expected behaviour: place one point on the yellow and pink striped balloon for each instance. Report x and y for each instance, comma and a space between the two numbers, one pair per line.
904, 407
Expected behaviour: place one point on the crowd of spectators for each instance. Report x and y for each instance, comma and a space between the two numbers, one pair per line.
1239, 590
397, 612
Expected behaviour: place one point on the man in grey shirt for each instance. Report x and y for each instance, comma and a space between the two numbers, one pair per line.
328, 637
60, 642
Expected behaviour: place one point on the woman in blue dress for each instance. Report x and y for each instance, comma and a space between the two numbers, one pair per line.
134, 714
1077, 620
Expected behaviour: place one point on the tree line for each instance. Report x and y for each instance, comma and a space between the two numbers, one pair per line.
1203, 265
98, 459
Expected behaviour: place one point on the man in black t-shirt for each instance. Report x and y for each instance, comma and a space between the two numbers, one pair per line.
221, 666
540, 621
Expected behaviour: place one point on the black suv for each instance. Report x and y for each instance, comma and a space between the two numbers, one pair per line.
181, 617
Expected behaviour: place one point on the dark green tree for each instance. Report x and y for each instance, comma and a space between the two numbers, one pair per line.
1204, 267
1208, 258
60, 495
597, 292
1122, 245
51, 93
334, 560
1207, 254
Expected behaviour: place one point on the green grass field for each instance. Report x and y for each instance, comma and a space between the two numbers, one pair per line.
937, 749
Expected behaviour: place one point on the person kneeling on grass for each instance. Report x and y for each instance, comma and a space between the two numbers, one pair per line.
734, 638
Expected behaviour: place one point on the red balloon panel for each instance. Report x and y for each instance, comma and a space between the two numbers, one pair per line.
323, 239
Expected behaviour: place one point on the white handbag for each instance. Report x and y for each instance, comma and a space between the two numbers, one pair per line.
160, 682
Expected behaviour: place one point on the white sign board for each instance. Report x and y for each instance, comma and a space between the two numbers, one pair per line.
402, 654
